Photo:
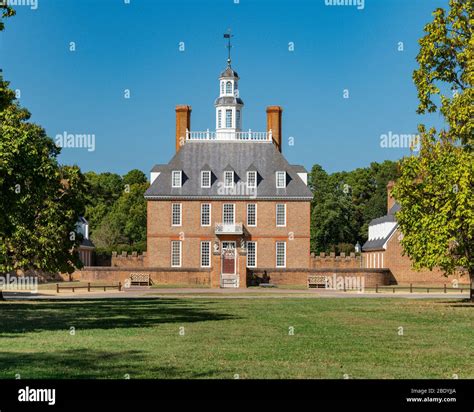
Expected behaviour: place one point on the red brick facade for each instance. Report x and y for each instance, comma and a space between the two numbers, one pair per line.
160, 234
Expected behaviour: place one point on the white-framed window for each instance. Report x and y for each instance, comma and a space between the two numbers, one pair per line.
176, 253
237, 119
251, 254
228, 118
176, 178
251, 214
228, 213
206, 178
228, 178
280, 254
281, 214
205, 214
176, 214
222, 87
219, 119
228, 87
280, 180
252, 179
206, 254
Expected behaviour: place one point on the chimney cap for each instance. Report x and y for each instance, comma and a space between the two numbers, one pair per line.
183, 108
274, 109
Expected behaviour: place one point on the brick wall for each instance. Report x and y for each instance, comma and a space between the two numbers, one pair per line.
160, 232
400, 266
300, 276
333, 261
128, 260
163, 276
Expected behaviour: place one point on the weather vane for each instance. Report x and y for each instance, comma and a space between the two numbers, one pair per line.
228, 36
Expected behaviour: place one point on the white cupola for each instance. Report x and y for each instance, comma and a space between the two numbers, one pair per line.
229, 104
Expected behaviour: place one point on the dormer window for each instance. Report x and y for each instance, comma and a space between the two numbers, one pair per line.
228, 87
252, 179
228, 178
206, 179
280, 180
176, 178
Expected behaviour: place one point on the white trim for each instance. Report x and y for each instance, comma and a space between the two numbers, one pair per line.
179, 242
202, 174
223, 214
225, 179
236, 197
276, 214
276, 254
255, 243
210, 214
284, 179
209, 254
255, 185
256, 206
235, 258
180, 178
180, 214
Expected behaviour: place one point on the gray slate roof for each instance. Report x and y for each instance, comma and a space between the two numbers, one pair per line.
262, 156
228, 100
229, 72
299, 168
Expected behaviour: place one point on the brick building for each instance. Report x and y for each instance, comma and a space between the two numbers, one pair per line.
384, 250
228, 202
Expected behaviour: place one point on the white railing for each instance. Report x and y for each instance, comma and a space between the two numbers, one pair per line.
241, 136
229, 228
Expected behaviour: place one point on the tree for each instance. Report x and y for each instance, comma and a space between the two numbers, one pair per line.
435, 189
446, 69
40, 200
135, 176
103, 191
345, 202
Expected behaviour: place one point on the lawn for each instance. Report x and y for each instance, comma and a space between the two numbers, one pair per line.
223, 338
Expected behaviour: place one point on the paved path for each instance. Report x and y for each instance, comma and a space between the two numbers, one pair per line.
252, 293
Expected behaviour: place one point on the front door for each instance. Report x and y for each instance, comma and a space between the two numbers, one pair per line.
228, 258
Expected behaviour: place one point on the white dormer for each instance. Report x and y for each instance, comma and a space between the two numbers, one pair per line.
176, 178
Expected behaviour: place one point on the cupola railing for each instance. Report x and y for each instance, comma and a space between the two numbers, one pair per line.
230, 135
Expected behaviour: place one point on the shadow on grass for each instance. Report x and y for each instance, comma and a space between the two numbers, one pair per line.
92, 364
460, 303
51, 315
78, 364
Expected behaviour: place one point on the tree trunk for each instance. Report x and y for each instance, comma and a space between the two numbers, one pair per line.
471, 278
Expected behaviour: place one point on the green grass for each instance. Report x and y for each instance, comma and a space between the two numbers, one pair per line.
249, 337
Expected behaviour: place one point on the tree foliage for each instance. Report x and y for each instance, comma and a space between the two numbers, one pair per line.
40, 200
116, 209
345, 202
435, 189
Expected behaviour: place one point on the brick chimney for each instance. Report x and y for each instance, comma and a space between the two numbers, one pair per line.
390, 198
274, 124
183, 123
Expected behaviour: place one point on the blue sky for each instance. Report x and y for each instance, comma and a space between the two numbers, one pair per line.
136, 46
